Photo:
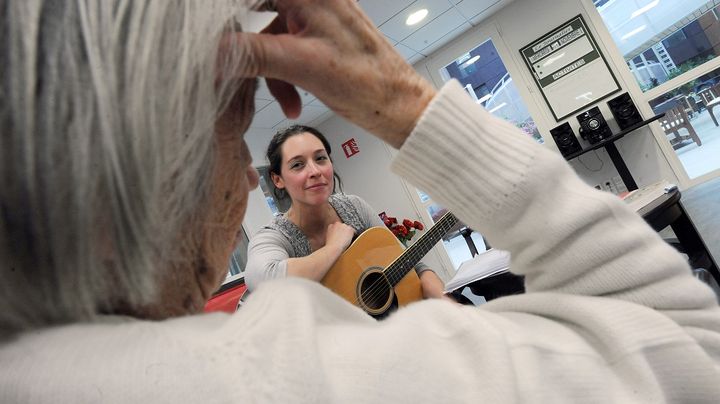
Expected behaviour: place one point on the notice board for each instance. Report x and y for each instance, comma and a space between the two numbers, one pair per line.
569, 68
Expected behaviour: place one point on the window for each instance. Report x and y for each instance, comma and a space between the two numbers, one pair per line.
238, 259
691, 122
277, 205
661, 39
482, 69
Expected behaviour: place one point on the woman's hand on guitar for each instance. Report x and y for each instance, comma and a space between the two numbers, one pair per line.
339, 235
332, 49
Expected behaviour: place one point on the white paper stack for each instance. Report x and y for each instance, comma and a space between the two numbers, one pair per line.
642, 197
486, 264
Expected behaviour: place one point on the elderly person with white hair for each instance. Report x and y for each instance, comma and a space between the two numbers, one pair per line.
124, 181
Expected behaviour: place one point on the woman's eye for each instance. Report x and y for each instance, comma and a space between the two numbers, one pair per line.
321, 158
295, 166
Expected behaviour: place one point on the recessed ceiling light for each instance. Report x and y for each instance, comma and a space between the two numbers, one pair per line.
645, 9
633, 32
417, 16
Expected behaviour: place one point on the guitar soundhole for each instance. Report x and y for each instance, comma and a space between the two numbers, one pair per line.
376, 294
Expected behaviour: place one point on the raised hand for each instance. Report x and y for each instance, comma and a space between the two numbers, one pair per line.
331, 48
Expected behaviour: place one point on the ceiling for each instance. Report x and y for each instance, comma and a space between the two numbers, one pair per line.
446, 20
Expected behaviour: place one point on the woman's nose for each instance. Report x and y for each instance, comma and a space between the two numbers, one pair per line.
313, 169
253, 177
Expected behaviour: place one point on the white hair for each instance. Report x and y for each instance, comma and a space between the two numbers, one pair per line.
106, 114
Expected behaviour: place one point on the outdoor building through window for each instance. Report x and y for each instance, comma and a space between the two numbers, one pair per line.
661, 39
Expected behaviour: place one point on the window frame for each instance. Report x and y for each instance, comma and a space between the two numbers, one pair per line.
642, 99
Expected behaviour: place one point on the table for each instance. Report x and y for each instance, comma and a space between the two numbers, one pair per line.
667, 210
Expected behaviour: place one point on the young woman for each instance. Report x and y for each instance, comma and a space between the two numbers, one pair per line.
308, 239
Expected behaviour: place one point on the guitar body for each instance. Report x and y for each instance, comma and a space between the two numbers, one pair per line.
358, 275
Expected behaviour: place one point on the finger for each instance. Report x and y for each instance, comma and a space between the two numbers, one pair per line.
284, 57
287, 96
265, 52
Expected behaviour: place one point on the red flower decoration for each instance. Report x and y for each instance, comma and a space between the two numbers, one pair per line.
403, 231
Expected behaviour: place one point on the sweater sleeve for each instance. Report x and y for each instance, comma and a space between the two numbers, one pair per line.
267, 257
564, 235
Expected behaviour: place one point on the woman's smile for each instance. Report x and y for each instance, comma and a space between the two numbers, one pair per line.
316, 187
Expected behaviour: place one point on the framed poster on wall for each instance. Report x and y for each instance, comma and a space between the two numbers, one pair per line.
569, 69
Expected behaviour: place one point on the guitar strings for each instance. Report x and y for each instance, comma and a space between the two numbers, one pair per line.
378, 287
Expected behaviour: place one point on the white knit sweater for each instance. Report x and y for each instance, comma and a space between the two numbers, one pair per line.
612, 314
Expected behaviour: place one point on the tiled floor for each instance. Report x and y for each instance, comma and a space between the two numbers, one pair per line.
702, 203
699, 160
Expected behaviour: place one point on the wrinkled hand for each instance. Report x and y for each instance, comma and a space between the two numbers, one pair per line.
331, 48
339, 235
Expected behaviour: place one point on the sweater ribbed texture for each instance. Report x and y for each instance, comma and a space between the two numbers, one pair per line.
612, 314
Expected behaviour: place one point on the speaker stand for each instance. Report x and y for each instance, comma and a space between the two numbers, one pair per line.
621, 167
615, 157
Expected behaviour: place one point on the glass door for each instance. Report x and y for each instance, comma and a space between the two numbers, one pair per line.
477, 62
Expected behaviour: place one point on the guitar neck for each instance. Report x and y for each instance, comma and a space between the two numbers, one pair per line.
407, 260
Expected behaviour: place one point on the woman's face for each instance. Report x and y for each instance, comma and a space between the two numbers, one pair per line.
306, 172
233, 178
185, 288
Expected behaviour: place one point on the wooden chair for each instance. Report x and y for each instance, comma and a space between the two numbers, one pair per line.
693, 104
685, 102
716, 89
674, 120
707, 95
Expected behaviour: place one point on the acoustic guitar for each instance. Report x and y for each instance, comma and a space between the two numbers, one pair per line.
376, 274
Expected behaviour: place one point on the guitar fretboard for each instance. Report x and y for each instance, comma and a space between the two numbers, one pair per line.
405, 262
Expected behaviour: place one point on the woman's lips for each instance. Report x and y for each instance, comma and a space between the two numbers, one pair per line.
316, 186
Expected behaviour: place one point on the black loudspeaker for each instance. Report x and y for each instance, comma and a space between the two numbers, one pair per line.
593, 127
565, 139
624, 111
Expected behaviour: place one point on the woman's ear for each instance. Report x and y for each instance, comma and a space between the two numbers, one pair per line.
277, 180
